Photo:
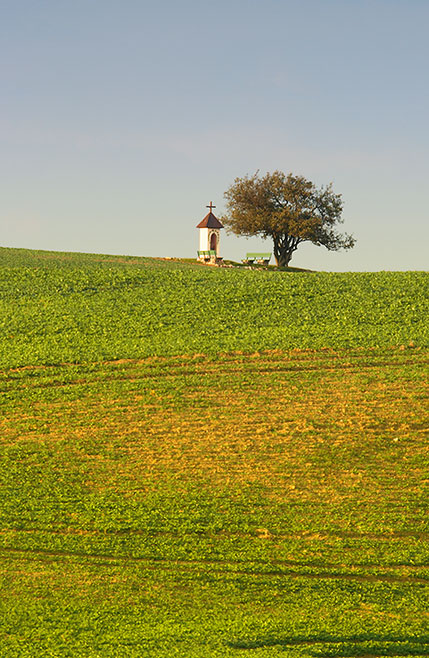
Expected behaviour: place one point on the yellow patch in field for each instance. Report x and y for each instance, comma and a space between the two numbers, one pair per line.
304, 425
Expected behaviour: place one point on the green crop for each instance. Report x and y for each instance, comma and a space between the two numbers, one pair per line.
89, 310
239, 472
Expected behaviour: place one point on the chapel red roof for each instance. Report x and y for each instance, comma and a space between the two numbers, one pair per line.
210, 221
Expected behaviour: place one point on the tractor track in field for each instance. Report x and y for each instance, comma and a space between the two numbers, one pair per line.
167, 372
215, 566
275, 536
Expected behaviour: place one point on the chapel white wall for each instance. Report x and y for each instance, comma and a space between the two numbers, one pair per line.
204, 239
205, 235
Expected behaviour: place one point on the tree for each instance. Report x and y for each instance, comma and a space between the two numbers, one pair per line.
289, 209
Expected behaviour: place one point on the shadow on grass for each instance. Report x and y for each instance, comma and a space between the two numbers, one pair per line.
363, 645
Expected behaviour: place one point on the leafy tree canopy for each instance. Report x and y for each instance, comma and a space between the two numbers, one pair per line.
288, 209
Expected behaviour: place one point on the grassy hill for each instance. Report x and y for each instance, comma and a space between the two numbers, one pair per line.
206, 462
60, 308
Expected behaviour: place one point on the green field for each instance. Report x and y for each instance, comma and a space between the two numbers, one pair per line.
209, 462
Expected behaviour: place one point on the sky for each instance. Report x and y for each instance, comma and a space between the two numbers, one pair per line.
120, 120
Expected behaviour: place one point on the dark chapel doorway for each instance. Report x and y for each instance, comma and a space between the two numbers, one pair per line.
213, 242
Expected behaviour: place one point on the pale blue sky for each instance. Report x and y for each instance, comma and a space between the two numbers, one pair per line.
120, 120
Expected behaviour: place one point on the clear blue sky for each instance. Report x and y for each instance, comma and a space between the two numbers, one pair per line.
120, 120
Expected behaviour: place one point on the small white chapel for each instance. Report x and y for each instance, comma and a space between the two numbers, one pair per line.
209, 228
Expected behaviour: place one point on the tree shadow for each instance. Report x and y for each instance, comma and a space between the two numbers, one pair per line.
386, 645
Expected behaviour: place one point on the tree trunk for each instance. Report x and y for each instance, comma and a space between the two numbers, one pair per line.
283, 259
284, 246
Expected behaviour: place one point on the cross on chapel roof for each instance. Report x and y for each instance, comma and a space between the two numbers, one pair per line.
210, 220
